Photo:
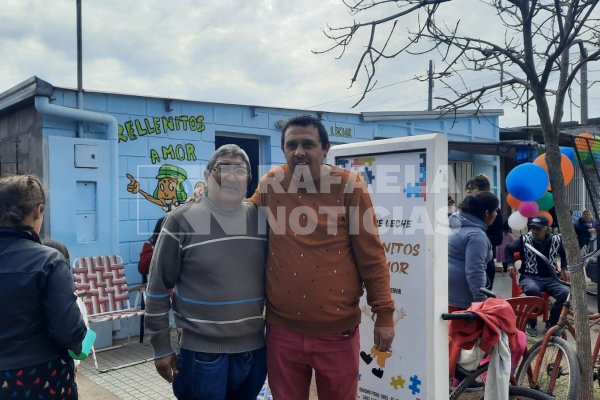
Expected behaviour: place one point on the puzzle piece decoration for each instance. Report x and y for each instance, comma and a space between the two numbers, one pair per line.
368, 176
363, 161
397, 382
418, 189
413, 190
342, 162
415, 385
360, 165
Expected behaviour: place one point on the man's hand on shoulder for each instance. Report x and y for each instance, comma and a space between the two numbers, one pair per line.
384, 336
196, 197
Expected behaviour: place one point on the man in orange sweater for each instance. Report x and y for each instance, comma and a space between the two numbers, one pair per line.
324, 248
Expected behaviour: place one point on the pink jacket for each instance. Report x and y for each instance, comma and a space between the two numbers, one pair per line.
507, 239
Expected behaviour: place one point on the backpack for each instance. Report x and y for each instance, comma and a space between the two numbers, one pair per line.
145, 258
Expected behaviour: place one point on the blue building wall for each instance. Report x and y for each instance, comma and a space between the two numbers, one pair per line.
156, 132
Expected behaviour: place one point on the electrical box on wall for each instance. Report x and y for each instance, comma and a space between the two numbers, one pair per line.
86, 156
86, 211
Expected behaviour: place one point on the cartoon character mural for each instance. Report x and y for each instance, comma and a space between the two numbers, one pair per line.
379, 356
169, 192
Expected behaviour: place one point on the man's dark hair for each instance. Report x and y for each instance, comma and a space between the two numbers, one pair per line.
306, 120
480, 182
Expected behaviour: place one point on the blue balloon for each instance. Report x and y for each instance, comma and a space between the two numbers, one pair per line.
569, 152
527, 182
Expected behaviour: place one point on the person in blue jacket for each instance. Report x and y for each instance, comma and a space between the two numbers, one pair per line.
469, 249
37, 302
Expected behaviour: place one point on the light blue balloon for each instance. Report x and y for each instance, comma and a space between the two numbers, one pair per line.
527, 182
569, 152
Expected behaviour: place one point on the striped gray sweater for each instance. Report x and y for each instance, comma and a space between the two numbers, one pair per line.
215, 261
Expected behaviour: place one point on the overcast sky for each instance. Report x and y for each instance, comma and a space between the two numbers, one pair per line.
254, 52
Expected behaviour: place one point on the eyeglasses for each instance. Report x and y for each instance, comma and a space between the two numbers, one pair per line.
225, 169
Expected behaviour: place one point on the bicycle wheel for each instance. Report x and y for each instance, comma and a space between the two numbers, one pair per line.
558, 354
523, 393
514, 393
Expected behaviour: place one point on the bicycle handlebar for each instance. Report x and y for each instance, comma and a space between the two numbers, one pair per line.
463, 315
468, 314
585, 260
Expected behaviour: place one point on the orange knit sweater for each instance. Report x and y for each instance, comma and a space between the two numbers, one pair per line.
323, 246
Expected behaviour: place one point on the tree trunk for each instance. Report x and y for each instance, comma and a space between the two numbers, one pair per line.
578, 284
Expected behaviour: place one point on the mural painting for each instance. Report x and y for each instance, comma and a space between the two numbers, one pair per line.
132, 129
169, 192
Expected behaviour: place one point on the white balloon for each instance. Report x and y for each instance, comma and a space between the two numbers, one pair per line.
517, 221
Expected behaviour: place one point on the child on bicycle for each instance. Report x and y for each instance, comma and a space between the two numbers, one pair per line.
536, 274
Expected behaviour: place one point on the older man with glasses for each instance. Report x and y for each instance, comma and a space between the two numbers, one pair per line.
212, 253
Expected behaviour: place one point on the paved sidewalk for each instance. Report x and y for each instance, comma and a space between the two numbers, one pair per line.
143, 382
135, 382
89, 390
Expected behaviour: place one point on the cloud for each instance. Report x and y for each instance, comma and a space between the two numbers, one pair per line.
246, 52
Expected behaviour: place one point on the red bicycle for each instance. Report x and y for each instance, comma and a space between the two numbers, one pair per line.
551, 364
466, 378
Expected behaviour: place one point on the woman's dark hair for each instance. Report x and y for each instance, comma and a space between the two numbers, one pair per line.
480, 182
19, 196
157, 229
477, 204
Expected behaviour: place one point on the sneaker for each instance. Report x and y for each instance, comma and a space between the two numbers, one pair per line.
531, 331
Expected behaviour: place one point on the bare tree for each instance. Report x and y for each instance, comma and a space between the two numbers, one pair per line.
529, 50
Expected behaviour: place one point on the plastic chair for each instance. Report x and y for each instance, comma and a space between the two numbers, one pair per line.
100, 282
516, 292
526, 308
